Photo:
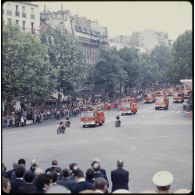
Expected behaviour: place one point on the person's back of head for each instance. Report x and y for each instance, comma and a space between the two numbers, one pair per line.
79, 174
72, 165
34, 163
89, 175
101, 184
54, 162
53, 176
20, 171
21, 161
65, 173
96, 167
29, 177
38, 172
6, 185
58, 189
43, 180
120, 163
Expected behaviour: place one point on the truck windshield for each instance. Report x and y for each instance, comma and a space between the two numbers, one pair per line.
87, 114
125, 105
160, 100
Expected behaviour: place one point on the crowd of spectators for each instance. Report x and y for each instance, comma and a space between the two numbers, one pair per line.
33, 179
69, 107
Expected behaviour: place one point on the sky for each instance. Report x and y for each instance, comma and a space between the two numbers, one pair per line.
123, 17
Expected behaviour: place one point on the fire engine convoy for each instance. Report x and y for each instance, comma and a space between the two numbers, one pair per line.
92, 118
161, 102
128, 106
178, 97
149, 98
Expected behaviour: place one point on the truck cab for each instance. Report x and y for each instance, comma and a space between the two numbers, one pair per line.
149, 98
92, 118
161, 102
178, 97
128, 107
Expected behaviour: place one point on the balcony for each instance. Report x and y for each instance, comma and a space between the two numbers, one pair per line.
17, 13
32, 16
24, 15
9, 12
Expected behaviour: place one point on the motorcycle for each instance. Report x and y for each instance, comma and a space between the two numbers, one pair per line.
61, 130
117, 123
67, 123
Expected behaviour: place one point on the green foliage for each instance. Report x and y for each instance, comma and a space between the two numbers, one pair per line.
65, 57
25, 72
181, 67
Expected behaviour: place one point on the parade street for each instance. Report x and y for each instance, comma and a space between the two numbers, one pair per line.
149, 141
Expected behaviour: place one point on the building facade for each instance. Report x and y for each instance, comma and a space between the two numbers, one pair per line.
23, 13
91, 35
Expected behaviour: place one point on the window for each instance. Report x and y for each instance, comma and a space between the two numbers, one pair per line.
16, 8
23, 25
32, 27
17, 22
17, 11
23, 12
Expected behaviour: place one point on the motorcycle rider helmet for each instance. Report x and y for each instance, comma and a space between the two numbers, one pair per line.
61, 122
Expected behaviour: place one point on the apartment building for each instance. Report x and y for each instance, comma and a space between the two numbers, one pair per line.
23, 13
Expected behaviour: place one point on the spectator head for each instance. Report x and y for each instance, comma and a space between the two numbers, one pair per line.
3, 167
54, 162
6, 185
53, 176
79, 174
34, 163
20, 171
96, 167
15, 164
120, 163
163, 180
38, 172
101, 184
72, 165
21, 161
182, 191
29, 177
89, 175
44, 181
121, 191
58, 189
65, 173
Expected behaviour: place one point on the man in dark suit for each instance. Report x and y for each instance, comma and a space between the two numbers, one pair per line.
120, 177
43, 183
64, 179
28, 187
53, 167
98, 173
81, 184
18, 181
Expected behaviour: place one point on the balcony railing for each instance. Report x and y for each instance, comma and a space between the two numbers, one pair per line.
32, 16
17, 13
24, 15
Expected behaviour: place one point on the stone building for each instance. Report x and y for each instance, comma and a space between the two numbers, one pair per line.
91, 35
23, 13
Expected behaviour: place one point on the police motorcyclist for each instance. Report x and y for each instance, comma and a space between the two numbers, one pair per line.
61, 125
67, 122
118, 118
118, 121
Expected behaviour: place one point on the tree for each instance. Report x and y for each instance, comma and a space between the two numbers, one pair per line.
109, 72
65, 57
132, 67
162, 57
181, 67
25, 71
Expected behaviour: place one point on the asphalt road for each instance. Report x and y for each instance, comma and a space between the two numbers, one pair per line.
148, 142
